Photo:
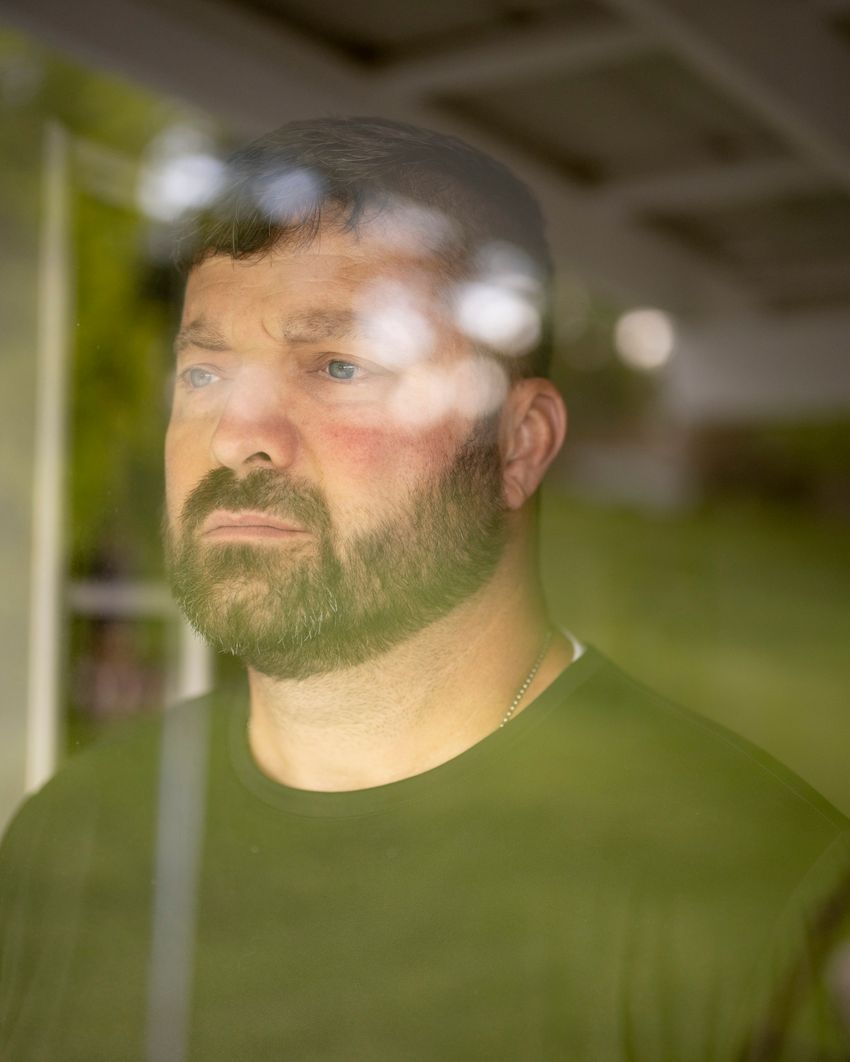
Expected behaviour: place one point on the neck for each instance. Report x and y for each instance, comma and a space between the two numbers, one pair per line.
414, 707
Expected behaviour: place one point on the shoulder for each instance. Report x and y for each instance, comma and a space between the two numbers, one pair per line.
670, 796
716, 839
693, 756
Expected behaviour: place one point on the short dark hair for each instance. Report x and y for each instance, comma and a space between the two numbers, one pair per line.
281, 188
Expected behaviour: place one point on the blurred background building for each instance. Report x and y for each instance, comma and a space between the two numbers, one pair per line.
693, 160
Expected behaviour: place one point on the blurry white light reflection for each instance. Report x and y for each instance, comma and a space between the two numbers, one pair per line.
391, 319
180, 173
644, 339
289, 196
500, 306
412, 229
510, 263
502, 319
472, 387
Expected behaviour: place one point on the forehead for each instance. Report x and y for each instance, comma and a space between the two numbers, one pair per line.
336, 274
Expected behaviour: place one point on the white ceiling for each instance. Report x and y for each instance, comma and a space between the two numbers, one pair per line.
693, 156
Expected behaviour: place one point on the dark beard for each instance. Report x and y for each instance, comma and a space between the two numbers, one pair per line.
295, 612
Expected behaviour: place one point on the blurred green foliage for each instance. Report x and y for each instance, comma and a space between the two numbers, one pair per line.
118, 411
121, 320
123, 303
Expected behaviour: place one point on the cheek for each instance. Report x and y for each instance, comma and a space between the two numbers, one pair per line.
181, 466
383, 454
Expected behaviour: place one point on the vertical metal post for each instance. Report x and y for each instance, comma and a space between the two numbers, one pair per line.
179, 841
179, 846
54, 299
194, 664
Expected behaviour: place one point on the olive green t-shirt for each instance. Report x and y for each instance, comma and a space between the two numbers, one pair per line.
606, 877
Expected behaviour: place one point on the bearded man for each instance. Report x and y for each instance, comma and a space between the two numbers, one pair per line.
429, 825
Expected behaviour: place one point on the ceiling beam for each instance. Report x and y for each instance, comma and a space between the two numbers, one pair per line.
714, 186
779, 59
510, 57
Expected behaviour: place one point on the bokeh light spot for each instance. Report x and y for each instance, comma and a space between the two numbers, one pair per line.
180, 173
392, 317
290, 196
503, 319
644, 339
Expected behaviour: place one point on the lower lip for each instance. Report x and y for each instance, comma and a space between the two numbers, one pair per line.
252, 532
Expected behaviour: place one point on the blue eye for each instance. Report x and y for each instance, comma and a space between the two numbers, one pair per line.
341, 370
197, 378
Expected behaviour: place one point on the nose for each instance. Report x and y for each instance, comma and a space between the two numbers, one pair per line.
255, 428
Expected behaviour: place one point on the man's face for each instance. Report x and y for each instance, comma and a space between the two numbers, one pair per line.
333, 482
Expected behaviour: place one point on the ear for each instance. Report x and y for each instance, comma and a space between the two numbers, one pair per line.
533, 426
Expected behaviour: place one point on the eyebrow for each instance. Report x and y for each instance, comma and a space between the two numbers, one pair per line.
309, 327
316, 325
200, 334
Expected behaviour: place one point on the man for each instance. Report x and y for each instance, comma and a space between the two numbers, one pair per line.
431, 826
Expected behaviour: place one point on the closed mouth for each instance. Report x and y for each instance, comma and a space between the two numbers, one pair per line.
222, 524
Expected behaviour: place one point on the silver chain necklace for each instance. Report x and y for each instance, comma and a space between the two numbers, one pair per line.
529, 678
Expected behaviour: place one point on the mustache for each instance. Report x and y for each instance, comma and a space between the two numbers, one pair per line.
263, 491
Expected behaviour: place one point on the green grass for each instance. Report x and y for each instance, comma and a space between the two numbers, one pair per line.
740, 613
